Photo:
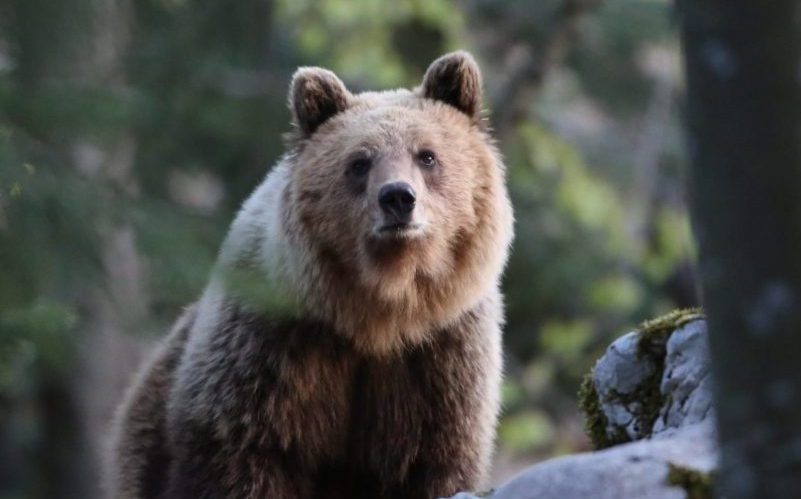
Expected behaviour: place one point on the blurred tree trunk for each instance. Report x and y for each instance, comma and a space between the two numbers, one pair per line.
75, 48
744, 111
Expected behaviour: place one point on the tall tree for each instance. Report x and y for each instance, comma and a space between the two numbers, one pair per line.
66, 52
744, 114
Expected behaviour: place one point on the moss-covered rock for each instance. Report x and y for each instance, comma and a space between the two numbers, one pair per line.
595, 422
594, 419
622, 397
646, 401
654, 333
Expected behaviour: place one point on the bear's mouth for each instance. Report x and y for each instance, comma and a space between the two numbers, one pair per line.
399, 229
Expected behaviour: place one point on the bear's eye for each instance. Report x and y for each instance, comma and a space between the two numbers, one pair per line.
360, 166
427, 158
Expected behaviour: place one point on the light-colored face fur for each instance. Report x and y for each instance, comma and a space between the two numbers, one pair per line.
388, 274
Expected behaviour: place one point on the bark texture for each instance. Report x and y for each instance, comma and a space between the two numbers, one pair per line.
744, 117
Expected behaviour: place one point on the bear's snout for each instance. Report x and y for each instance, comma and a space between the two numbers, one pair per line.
397, 200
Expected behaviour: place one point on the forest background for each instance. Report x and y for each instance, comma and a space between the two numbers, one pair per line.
131, 131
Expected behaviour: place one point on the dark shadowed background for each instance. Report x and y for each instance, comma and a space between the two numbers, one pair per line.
131, 130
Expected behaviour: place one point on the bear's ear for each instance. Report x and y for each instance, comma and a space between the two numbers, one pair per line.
456, 80
315, 95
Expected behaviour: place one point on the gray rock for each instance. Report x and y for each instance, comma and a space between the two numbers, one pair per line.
684, 385
637, 470
687, 380
620, 372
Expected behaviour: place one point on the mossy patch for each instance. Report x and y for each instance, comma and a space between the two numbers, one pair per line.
697, 484
646, 400
652, 345
654, 333
595, 422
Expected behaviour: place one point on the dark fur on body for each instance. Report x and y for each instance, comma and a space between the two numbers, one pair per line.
334, 424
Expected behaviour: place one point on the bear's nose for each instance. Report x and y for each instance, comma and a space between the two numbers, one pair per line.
397, 198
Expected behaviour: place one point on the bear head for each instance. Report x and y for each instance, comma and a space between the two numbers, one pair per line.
395, 207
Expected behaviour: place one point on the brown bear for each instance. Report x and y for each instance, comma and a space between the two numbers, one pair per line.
348, 344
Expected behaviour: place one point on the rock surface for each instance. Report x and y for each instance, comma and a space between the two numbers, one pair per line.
618, 377
637, 470
651, 389
687, 378
674, 379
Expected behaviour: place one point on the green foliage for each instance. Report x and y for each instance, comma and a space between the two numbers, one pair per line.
593, 254
373, 43
526, 431
566, 339
611, 51
614, 293
671, 231
39, 333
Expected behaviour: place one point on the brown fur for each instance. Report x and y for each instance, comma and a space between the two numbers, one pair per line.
316, 95
455, 79
378, 376
139, 462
